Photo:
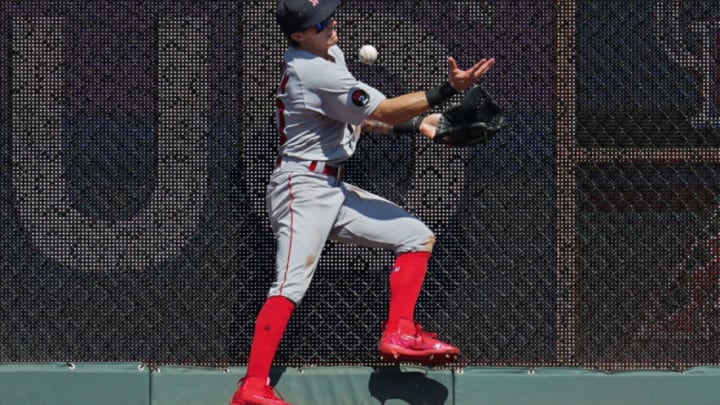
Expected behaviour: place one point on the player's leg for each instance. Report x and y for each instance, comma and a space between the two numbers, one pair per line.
301, 209
369, 220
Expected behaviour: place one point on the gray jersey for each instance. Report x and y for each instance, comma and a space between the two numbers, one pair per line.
318, 104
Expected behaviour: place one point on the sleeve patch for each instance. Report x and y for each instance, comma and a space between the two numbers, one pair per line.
360, 97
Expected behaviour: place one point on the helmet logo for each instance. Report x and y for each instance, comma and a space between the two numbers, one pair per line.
314, 2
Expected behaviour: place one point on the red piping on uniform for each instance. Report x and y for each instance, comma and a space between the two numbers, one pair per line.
292, 218
281, 116
281, 110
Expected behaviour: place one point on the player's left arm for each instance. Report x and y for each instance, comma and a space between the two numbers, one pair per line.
428, 126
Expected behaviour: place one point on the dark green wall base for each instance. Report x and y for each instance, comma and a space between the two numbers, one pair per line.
133, 384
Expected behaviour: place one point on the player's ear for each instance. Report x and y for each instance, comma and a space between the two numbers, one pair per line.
297, 36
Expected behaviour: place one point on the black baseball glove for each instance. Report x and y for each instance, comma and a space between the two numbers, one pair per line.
474, 121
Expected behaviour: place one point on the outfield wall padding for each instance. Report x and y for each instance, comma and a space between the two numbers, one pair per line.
135, 384
74, 384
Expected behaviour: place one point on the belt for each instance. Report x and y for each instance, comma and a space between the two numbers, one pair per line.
317, 166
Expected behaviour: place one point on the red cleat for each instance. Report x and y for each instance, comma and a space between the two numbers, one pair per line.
408, 342
255, 391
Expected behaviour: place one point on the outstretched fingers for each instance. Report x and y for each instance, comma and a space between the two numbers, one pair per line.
482, 67
462, 79
453, 65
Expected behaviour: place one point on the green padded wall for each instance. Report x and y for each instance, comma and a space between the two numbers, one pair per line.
133, 384
74, 384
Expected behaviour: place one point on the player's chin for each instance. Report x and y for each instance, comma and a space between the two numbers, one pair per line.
334, 39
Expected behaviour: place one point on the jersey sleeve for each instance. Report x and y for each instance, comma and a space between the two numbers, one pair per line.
338, 95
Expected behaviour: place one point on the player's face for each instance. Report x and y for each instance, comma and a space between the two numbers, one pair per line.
326, 29
318, 39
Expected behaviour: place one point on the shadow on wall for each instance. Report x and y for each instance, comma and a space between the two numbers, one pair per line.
415, 388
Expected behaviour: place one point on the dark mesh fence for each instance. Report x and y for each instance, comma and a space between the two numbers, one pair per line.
136, 138
647, 181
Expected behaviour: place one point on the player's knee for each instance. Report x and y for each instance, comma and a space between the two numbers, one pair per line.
425, 242
429, 243
417, 238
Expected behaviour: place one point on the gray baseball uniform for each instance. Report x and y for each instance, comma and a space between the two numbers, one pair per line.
319, 105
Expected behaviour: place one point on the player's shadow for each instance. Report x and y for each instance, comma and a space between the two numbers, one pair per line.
413, 387
276, 374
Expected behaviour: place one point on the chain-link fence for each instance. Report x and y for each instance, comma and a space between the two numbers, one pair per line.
137, 136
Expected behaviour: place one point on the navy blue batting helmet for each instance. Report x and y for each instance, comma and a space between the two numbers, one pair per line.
297, 15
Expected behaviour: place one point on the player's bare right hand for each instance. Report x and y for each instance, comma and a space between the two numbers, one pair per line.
462, 79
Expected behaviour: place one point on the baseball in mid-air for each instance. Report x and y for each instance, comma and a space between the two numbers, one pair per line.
368, 54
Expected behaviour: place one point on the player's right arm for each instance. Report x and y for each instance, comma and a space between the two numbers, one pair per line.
396, 110
393, 111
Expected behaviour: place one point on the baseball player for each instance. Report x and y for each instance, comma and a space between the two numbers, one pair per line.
320, 108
